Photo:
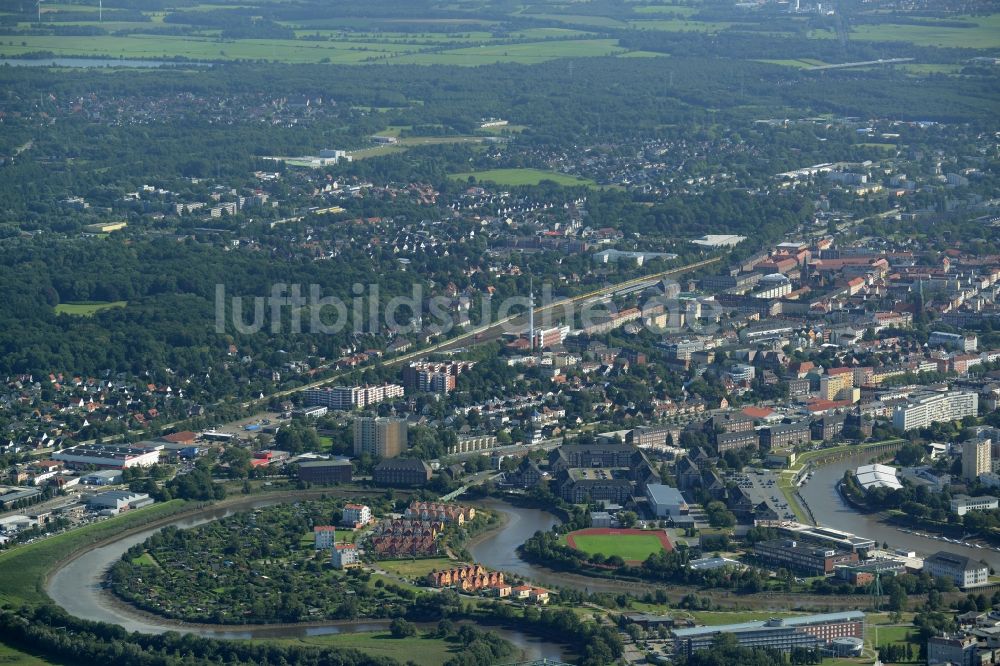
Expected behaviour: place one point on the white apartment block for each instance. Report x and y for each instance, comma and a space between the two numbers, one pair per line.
922, 411
351, 397
344, 555
325, 536
356, 515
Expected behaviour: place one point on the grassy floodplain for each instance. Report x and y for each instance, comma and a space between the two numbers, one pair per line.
422, 649
34, 561
12, 657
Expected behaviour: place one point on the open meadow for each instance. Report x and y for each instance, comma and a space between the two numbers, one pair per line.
88, 308
514, 177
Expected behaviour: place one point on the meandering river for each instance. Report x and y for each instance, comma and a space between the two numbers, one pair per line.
78, 587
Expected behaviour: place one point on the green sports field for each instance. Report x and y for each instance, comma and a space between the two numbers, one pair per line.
630, 547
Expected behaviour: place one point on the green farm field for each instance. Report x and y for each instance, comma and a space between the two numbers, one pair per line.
527, 53
799, 63
201, 48
983, 34
465, 41
339, 47
642, 54
678, 25
523, 177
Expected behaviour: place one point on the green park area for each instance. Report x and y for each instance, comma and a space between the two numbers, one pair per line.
514, 177
417, 568
88, 308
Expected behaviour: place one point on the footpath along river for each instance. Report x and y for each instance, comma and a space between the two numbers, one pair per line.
78, 588
830, 510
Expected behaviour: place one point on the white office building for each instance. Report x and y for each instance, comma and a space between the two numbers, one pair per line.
963, 504
959, 341
960, 568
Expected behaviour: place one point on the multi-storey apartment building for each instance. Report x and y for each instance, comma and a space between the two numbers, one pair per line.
352, 397
922, 411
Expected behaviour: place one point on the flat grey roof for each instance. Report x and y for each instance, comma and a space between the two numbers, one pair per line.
795, 621
662, 494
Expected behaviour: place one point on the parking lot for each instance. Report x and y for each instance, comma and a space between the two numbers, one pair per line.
761, 485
